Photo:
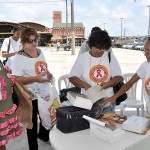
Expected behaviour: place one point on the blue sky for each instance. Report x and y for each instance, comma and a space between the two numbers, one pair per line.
90, 12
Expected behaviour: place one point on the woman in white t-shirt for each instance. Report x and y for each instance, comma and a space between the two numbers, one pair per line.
29, 67
93, 67
143, 73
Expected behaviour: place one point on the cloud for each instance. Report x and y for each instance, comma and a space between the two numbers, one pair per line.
90, 13
32, 12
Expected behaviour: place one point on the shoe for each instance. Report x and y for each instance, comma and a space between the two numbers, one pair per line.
45, 141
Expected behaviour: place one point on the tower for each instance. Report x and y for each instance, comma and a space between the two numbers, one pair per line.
57, 16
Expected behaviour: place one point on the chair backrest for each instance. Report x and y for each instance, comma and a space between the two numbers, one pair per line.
63, 82
136, 89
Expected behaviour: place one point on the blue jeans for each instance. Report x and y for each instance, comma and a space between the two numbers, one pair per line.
110, 108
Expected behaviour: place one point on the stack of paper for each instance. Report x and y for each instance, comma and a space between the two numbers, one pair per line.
136, 124
101, 131
95, 93
88, 99
79, 100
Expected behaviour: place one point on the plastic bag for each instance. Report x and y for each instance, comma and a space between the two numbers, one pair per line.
47, 109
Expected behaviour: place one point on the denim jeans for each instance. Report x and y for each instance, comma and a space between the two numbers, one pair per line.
110, 108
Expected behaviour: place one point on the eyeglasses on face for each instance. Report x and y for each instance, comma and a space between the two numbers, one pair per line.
30, 41
99, 49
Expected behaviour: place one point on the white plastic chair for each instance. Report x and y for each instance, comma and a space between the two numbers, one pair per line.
132, 100
63, 82
120, 107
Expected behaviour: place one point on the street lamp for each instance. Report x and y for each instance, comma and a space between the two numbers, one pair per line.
72, 27
149, 22
66, 22
104, 26
121, 26
124, 32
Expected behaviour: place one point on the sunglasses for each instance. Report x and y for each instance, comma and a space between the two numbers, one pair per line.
30, 41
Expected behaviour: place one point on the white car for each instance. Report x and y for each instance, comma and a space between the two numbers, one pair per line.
129, 46
140, 47
124, 46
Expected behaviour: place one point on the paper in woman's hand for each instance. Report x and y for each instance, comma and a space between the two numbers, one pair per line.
95, 93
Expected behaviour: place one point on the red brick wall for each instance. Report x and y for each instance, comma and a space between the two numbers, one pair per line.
57, 16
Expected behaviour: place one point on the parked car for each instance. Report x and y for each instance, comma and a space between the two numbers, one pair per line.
136, 44
67, 47
124, 46
140, 47
129, 46
49, 44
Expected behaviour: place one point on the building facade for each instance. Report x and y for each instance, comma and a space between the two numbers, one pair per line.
47, 35
60, 31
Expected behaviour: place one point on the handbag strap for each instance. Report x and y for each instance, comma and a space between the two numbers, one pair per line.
109, 56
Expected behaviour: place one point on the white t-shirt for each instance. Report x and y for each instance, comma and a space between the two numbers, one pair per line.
144, 73
27, 67
15, 46
84, 47
95, 70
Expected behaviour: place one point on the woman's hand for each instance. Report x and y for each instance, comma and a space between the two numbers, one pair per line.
109, 100
41, 78
49, 76
87, 87
104, 85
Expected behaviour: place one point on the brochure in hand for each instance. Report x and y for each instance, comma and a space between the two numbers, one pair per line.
87, 100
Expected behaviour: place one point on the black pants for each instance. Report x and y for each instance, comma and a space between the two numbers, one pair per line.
32, 133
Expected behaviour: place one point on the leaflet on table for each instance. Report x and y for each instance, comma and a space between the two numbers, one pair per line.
136, 124
88, 99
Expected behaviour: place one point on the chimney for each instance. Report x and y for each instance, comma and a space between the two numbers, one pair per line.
57, 17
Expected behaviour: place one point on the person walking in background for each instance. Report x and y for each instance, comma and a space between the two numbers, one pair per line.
9, 125
85, 47
143, 73
11, 46
30, 68
58, 46
93, 67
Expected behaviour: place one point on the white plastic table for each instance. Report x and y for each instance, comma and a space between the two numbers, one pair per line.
82, 140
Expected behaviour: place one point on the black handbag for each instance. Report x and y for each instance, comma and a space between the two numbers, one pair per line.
117, 87
63, 93
123, 97
69, 119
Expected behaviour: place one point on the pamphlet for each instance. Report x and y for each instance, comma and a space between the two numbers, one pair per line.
87, 100
136, 124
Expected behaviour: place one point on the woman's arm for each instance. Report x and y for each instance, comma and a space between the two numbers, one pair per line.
8, 54
79, 83
123, 89
111, 83
31, 79
49, 76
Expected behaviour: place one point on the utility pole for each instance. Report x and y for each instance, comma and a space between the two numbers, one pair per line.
124, 32
121, 26
72, 27
149, 22
104, 26
66, 22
